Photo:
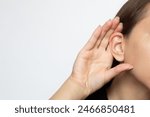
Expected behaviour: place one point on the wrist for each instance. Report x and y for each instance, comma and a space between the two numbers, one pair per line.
71, 90
81, 90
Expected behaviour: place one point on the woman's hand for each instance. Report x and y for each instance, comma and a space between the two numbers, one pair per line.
92, 68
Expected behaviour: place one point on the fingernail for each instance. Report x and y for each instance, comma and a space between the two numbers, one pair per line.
109, 21
121, 24
130, 67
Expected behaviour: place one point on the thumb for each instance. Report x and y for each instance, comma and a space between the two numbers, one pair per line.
116, 70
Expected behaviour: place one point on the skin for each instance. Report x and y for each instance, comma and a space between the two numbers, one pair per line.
135, 84
92, 67
138, 45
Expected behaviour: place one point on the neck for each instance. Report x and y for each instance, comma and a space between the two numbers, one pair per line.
126, 87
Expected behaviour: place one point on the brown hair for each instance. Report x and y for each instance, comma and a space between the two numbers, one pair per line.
130, 14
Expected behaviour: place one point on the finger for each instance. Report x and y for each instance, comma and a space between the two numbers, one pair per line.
109, 49
105, 29
119, 27
115, 27
116, 70
115, 22
92, 41
105, 40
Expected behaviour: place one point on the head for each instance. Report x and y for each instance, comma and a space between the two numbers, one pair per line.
132, 45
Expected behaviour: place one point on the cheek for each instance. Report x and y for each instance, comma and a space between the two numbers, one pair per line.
139, 56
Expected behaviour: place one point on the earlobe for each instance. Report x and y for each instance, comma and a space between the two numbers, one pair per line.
117, 46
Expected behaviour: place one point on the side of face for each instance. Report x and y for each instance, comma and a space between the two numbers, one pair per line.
135, 50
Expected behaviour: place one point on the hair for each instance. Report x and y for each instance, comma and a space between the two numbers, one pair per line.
130, 14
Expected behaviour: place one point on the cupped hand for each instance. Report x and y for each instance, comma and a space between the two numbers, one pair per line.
92, 68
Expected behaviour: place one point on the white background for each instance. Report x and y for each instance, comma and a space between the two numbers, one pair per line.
39, 41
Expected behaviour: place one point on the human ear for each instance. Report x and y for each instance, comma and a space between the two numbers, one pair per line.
117, 45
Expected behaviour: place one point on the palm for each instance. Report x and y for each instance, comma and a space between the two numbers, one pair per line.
92, 68
95, 58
